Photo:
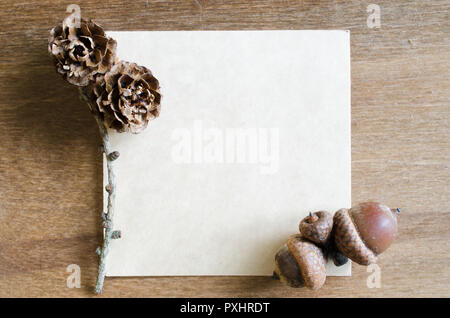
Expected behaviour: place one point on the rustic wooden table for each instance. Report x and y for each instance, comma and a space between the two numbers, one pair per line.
51, 169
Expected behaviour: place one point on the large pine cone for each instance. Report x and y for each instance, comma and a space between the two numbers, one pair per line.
127, 98
80, 53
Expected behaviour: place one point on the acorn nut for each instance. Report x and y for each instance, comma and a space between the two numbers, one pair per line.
333, 254
300, 263
365, 231
317, 227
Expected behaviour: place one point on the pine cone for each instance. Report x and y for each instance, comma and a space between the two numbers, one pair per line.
127, 98
80, 53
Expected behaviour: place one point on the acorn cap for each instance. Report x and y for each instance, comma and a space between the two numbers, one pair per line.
348, 239
317, 227
310, 260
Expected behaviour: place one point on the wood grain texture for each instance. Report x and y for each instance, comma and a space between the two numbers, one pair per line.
50, 167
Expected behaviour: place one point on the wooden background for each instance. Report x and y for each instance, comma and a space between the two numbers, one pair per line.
50, 166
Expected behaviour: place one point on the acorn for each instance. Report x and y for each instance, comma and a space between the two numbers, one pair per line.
365, 231
317, 227
332, 253
300, 263
338, 258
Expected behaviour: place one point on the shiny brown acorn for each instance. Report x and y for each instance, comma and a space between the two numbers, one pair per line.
300, 263
365, 231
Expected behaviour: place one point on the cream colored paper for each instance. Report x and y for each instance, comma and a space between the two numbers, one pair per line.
254, 132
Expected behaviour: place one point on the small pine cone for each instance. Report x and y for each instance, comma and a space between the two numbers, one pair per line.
81, 53
127, 98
